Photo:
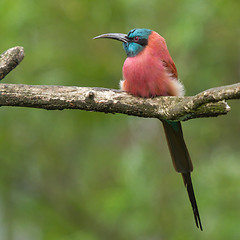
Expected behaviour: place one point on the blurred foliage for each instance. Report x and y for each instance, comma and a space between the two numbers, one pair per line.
80, 175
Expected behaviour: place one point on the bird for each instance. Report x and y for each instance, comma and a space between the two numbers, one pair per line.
149, 71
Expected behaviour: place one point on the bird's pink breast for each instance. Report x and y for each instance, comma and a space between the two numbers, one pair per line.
144, 75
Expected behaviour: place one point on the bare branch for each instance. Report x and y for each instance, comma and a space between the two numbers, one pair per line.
213, 95
10, 59
205, 104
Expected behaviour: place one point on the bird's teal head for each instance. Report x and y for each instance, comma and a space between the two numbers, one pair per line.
134, 42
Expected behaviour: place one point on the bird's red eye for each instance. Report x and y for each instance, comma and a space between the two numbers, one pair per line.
136, 39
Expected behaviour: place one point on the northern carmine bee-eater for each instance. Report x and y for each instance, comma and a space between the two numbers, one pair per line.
149, 71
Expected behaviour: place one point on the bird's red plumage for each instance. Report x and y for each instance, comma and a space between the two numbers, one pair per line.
152, 72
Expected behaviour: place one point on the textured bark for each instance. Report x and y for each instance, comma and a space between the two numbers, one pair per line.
10, 59
209, 103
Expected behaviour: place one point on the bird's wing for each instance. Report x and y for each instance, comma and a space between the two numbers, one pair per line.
170, 68
175, 87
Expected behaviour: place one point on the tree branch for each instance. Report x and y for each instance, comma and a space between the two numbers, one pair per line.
209, 103
10, 59
206, 104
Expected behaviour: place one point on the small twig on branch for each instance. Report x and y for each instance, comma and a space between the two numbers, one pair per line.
10, 59
206, 104
212, 95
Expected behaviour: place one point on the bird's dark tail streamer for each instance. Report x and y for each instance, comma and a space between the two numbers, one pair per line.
181, 161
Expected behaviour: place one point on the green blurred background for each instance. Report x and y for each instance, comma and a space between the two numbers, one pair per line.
71, 175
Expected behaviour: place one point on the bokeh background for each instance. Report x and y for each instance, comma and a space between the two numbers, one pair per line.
73, 175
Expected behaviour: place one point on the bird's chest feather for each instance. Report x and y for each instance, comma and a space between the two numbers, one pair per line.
144, 76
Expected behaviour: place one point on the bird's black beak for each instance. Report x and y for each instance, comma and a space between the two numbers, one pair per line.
117, 36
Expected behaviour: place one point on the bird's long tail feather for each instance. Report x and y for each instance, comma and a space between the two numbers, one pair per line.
188, 183
181, 161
